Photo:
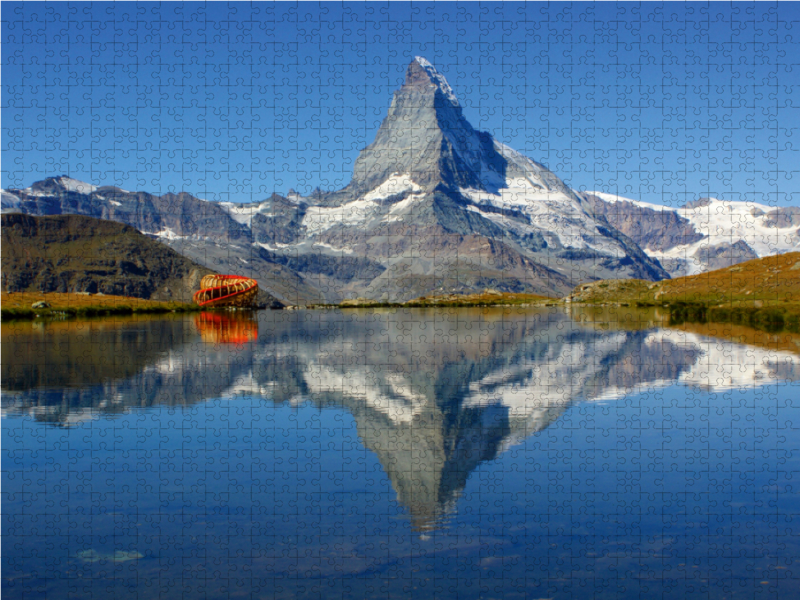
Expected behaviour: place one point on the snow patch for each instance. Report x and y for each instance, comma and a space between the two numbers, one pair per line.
401, 209
295, 198
73, 185
168, 234
35, 194
396, 184
334, 248
9, 203
543, 210
321, 218
244, 213
614, 199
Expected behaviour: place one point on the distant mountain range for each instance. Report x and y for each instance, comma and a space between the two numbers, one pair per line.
433, 206
703, 235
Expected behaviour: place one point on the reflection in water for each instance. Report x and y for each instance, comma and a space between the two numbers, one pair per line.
227, 327
433, 393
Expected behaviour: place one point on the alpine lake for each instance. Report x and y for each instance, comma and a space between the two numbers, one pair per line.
386, 453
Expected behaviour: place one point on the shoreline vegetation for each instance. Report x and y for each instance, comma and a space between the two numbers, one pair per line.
762, 293
485, 298
18, 305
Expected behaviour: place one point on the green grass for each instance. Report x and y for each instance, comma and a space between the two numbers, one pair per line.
772, 319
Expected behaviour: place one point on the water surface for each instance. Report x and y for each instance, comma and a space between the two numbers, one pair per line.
453, 454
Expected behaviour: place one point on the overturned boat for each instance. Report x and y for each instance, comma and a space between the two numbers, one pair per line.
225, 291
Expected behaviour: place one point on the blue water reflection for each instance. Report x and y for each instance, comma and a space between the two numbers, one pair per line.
475, 453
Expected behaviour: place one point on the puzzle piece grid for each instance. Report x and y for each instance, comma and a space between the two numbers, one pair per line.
153, 485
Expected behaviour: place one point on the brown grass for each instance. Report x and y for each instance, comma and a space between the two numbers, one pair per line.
770, 281
18, 305
480, 299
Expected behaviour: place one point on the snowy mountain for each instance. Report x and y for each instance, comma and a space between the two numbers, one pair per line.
441, 206
433, 206
703, 235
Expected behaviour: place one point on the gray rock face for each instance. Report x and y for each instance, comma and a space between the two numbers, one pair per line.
780, 218
447, 208
170, 215
426, 135
726, 254
647, 227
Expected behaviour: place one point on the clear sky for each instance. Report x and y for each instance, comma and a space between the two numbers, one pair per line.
659, 102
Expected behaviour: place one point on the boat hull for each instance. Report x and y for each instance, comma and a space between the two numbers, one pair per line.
226, 291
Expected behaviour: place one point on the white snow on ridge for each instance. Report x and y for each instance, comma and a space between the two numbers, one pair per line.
73, 185
402, 208
548, 210
721, 221
277, 247
31, 192
168, 234
613, 199
321, 218
336, 249
396, 184
244, 213
294, 198
9, 203
101, 197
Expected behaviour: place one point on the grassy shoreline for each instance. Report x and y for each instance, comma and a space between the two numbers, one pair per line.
483, 299
763, 293
17, 306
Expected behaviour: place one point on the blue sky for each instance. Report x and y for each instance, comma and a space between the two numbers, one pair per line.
659, 102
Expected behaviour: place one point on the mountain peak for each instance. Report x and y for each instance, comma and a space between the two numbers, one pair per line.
422, 74
61, 182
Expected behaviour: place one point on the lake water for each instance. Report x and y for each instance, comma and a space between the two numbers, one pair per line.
495, 453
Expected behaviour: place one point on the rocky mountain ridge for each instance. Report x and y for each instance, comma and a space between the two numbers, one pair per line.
434, 206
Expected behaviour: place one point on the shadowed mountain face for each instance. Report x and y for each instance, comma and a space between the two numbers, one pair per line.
433, 206
433, 396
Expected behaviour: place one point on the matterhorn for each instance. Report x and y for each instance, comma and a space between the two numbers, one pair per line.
433, 207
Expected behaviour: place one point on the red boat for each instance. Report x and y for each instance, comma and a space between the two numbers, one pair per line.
218, 291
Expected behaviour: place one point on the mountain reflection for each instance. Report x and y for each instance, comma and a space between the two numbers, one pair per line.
433, 393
